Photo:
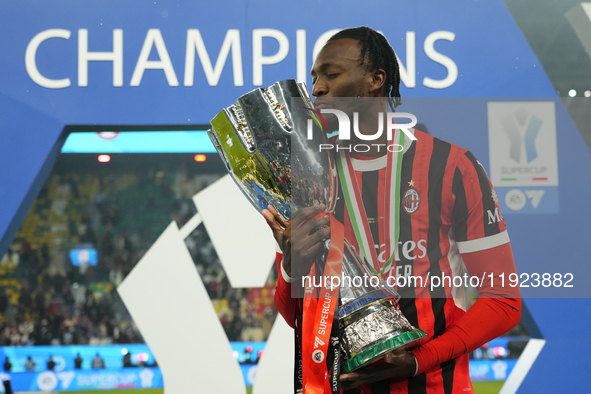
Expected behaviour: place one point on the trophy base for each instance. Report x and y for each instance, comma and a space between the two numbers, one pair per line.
409, 339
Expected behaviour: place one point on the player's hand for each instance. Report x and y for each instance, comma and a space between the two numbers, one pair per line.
399, 364
297, 238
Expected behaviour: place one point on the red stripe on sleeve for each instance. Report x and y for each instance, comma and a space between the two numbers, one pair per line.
284, 302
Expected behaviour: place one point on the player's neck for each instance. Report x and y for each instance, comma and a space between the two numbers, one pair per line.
369, 125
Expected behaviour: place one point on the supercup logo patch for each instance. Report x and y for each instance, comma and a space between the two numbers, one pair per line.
318, 356
411, 200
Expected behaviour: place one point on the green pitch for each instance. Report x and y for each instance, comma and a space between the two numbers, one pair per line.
487, 387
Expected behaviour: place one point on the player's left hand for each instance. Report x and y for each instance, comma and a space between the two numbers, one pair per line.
399, 364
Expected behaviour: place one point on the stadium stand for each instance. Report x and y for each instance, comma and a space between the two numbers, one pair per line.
45, 298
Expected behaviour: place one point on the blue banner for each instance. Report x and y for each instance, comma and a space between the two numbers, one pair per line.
78, 380
112, 355
65, 378
64, 356
139, 142
126, 378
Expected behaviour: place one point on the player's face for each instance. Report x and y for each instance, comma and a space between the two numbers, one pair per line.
337, 72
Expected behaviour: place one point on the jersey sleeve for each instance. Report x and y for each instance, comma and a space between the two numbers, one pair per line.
477, 221
496, 311
284, 302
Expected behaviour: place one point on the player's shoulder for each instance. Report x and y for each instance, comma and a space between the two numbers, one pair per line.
439, 146
458, 159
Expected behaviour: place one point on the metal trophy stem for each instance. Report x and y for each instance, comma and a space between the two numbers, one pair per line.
263, 142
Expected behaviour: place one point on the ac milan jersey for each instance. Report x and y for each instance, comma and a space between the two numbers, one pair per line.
447, 207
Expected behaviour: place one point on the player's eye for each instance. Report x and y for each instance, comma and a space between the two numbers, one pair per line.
332, 76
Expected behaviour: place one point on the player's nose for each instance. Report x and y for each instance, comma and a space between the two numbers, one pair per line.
319, 89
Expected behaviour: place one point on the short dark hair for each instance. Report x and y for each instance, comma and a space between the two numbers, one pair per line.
376, 53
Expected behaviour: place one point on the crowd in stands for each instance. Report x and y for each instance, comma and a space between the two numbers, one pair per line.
245, 314
45, 299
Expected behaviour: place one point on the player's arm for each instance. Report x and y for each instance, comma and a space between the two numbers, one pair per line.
299, 245
497, 310
284, 302
482, 240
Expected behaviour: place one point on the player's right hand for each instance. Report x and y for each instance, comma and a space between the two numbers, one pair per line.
300, 238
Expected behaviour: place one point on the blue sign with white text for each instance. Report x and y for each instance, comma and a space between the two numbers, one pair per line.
78, 380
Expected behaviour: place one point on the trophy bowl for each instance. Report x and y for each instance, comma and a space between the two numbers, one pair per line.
261, 140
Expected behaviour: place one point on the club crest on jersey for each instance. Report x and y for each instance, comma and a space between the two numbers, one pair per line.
411, 200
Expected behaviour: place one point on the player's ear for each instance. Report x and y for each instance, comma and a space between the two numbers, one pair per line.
377, 82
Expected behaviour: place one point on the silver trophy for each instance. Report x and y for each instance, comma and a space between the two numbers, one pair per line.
370, 321
263, 141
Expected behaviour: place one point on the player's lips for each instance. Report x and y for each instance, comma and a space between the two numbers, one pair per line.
320, 104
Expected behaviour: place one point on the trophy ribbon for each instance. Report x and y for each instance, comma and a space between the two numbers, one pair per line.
318, 313
392, 227
356, 209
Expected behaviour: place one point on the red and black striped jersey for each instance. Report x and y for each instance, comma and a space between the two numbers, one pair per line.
448, 207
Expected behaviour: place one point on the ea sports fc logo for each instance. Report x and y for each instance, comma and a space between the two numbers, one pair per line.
411, 200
